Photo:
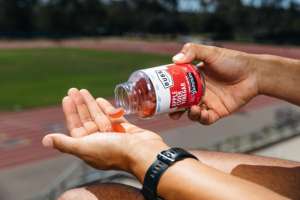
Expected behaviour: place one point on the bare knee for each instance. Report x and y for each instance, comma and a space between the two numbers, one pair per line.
78, 194
107, 191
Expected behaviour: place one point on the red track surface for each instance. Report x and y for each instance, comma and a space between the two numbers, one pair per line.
21, 132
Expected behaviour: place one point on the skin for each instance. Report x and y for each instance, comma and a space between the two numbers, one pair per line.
110, 191
233, 79
136, 149
281, 176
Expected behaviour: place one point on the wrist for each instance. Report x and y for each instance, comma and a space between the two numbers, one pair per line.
271, 71
264, 69
142, 156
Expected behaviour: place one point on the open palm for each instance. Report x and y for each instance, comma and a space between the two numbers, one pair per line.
92, 136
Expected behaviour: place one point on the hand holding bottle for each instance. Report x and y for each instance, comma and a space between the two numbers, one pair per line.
231, 81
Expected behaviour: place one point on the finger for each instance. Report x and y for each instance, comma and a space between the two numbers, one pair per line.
83, 111
71, 115
100, 118
194, 113
191, 52
62, 143
214, 102
115, 115
208, 117
72, 118
110, 110
105, 105
176, 115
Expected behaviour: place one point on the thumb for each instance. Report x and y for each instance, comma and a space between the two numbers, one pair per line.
62, 143
191, 52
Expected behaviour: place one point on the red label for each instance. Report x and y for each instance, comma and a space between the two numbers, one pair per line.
187, 86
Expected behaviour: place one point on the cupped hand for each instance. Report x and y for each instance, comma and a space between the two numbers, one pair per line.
92, 138
231, 81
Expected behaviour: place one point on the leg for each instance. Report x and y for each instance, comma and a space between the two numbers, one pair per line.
107, 191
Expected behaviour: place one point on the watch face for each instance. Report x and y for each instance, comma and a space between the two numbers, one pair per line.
169, 154
166, 157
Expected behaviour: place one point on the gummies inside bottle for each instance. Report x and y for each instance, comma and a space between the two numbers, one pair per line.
162, 89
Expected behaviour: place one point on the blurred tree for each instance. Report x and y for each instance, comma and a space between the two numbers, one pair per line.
71, 17
120, 18
272, 3
142, 17
259, 20
16, 16
277, 23
223, 18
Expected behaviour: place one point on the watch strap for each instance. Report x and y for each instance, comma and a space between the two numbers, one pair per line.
164, 160
151, 179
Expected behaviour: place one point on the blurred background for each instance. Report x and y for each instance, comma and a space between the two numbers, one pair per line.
48, 46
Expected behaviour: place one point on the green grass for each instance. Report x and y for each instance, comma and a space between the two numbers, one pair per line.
41, 77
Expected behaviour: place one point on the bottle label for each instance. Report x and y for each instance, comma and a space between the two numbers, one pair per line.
176, 86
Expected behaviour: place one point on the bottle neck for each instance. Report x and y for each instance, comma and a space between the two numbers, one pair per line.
124, 97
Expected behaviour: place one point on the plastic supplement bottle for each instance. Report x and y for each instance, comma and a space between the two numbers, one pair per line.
162, 89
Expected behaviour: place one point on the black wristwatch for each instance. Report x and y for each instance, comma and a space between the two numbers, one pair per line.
164, 160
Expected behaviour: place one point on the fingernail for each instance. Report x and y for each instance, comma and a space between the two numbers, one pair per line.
73, 89
100, 99
65, 99
84, 90
179, 57
47, 142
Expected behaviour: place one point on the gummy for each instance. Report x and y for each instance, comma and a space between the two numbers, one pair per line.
117, 113
118, 128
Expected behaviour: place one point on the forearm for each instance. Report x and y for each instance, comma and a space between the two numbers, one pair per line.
281, 176
195, 180
279, 77
228, 162
190, 179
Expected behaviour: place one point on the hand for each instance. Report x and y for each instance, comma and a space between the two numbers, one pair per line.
231, 81
92, 138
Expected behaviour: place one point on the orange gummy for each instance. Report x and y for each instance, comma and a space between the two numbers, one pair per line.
117, 113
148, 108
118, 128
